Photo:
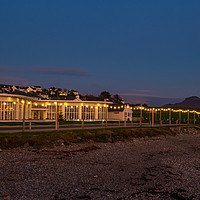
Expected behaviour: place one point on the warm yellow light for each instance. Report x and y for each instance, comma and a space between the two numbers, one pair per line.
35, 104
86, 106
91, 106
22, 101
121, 106
42, 104
60, 104
71, 106
118, 107
55, 102
14, 103
4, 103
29, 102
114, 107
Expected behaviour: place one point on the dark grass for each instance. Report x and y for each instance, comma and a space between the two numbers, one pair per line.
50, 139
61, 123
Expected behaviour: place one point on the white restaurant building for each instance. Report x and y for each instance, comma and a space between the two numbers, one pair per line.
13, 106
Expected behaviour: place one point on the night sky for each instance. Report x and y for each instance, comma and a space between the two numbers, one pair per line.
136, 48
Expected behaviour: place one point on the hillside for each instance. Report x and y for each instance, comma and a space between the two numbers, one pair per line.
190, 102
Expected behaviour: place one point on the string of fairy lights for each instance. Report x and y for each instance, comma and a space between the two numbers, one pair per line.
127, 106
157, 109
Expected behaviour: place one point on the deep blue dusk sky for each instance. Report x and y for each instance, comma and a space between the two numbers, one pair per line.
127, 47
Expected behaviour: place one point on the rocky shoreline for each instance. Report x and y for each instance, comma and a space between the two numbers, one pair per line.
166, 167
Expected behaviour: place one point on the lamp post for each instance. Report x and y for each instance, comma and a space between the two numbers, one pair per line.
149, 116
83, 116
152, 117
188, 117
56, 105
106, 116
160, 117
124, 115
23, 124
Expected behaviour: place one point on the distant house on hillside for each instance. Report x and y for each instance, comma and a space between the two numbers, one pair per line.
29, 89
44, 95
36, 89
19, 88
5, 88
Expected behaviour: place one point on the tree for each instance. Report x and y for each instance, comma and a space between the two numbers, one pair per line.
105, 95
117, 98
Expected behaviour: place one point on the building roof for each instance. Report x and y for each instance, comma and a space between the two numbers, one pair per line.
91, 98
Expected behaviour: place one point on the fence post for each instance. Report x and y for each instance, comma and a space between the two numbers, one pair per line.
30, 125
106, 117
170, 116
140, 115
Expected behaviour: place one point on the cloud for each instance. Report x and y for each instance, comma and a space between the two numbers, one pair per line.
13, 80
138, 94
73, 71
65, 71
95, 85
142, 91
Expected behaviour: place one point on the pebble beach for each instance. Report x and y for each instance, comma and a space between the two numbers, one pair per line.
146, 168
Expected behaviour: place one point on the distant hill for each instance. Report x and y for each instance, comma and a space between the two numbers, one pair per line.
190, 102
152, 101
